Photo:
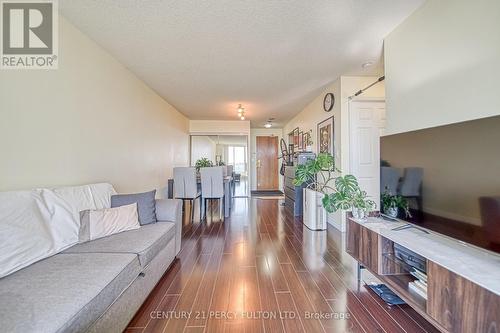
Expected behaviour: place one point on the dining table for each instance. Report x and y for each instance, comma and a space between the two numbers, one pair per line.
228, 193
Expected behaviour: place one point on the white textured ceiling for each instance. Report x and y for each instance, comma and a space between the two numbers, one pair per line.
274, 57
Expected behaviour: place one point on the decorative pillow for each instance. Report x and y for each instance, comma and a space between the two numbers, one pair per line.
25, 235
39, 223
146, 204
100, 223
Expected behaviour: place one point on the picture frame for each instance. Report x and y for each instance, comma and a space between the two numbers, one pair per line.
326, 136
305, 140
301, 141
290, 138
296, 138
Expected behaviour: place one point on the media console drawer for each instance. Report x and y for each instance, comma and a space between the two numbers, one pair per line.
363, 245
460, 305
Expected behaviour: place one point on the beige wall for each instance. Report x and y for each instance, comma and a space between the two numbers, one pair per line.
461, 163
314, 113
89, 121
441, 65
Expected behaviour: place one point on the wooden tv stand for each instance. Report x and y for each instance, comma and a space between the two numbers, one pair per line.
463, 281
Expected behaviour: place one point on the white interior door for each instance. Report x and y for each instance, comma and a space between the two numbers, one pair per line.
367, 123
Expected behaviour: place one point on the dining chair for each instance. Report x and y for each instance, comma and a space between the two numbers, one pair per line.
389, 180
186, 187
230, 170
411, 185
212, 187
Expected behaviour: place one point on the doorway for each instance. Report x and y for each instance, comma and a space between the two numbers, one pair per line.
267, 163
224, 150
367, 124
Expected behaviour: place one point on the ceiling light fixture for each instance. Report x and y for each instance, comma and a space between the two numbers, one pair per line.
367, 64
241, 112
269, 123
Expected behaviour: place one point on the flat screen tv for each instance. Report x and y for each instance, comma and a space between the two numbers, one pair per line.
450, 177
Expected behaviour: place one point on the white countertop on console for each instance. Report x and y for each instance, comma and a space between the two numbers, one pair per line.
477, 265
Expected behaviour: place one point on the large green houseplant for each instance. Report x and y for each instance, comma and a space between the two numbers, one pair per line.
336, 191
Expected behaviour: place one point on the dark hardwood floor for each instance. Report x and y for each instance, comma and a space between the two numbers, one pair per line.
261, 271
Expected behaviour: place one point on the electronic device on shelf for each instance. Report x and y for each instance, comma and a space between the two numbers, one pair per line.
410, 258
302, 157
431, 169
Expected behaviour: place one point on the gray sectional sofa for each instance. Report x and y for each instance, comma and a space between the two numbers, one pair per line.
96, 286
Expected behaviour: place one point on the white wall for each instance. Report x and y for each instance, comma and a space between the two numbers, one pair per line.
91, 120
202, 146
219, 127
314, 113
441, 65
255, 132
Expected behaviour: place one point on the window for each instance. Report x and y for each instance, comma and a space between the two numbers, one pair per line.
237, 157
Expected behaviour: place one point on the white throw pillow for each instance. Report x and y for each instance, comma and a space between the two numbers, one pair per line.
25, 235
39, 223
100, 223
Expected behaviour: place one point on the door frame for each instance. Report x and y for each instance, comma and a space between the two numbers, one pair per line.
351, 127
276, 175
246, 135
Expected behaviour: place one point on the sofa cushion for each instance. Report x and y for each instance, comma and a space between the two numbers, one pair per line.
64, 293
146, 205
98, 223
145, 242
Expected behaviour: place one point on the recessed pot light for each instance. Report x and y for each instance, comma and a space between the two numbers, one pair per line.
367, 64
268, 125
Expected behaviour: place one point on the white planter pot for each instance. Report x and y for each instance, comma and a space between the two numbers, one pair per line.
392, 212
314, 246
359, 214
315, 217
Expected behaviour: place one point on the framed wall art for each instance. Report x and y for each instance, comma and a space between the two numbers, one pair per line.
326, 136
296, 138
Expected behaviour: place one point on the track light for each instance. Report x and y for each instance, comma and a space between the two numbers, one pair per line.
241, 112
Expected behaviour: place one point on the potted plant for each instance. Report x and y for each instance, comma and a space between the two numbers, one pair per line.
349, 196
203, 163
326, 191
392, 203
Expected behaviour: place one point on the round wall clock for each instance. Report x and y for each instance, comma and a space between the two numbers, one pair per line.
328, 102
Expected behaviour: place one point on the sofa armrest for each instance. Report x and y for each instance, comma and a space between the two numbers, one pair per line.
170, 210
